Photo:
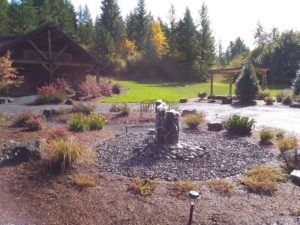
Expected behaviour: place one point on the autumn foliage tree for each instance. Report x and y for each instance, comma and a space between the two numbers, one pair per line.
8, 74
158, 39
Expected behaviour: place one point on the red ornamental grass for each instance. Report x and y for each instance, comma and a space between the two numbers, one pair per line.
61, 84
47, 90
35, 123
60, 132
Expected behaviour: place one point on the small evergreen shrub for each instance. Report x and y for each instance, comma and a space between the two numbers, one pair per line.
287, 100
296, 84
266, 135
247, 85
83, 108
116, 89
221, 186
281, 95
239, 125
287, 143
82, 122
194, 120
21, 118
269, 101
142, 187
263, 179
262, 95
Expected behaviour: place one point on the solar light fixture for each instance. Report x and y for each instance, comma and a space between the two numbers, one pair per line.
193, 195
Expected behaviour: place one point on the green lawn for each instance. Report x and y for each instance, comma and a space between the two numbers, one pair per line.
169, 92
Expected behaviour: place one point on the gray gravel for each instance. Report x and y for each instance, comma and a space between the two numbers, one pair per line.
199, 155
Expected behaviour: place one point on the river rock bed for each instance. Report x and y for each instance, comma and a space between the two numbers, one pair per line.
199, 155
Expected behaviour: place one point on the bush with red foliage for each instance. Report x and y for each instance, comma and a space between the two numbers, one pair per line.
34, 124
49, 94
106, 89
90, 88
62, 85
60, 133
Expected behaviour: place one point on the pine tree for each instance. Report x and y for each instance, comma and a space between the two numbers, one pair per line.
187, 42
221, 55
206, 41
86, 30
236, 48
4, 17
171, 35
110, 28
296, 84
247, 85
138, 25
22, 16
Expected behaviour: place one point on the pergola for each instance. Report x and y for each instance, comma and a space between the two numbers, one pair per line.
233, 71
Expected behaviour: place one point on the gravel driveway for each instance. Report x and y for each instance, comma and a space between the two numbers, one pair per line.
277, 116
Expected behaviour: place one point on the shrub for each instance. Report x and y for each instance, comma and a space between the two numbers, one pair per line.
280, 134
287, 143
247, 85
21, 118
62, 85
262, 95
142, 187
83, 108
106, 89
67, 152
116, 89
124, 108
2, 117
296, 84
60, 133
84, 181
90, 87
35, 124
194, 120
269, 100
180, 188
82, 122
281, 95
266, 135
262, 179
49, 94
202, 95
287, 100
221, 186
239, 125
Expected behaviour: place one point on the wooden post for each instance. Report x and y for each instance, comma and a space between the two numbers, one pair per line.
230, 85
51, 65
263, 82
211, 84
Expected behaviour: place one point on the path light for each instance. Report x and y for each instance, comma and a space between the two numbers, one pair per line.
194, 195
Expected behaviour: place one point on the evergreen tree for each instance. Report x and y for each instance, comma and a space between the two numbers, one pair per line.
109, 28
221, 55
247, 85
236, 48
22, 16
171, 34
4, 29
206, 41
296, 84
86, 30
187, 42
138, 25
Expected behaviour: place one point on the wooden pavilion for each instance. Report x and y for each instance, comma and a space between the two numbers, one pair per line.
231, 73
48, 53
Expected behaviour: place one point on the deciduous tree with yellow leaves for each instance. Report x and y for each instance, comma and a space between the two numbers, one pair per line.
158, 39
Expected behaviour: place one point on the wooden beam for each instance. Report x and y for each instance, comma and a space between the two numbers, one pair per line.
211, 84
46, 67
39, 50
49, 44
61, 52
22, 61
230, 85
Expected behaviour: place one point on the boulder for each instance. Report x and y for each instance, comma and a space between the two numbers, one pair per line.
183, 100
69, 101
22, 151
3, 100
48, 113
226, 100
188, 112
215, 126
295, 105
9, 99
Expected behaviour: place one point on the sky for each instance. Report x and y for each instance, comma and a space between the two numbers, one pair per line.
229, 18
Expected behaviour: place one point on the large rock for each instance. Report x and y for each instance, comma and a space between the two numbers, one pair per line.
226, 100
188, 112
22, 151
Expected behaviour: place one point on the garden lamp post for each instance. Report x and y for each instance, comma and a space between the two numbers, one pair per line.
194, 195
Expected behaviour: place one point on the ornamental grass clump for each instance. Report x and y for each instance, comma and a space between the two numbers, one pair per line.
83, 181
60, 133
263, 179
266, 136
221, 186
239, 125
180, 188
50, 94
262, 95
194, 120
82, 122
143, 187
269, 101
35, 124
66, 152
123, 108
21, 118
85, 108
287, 143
